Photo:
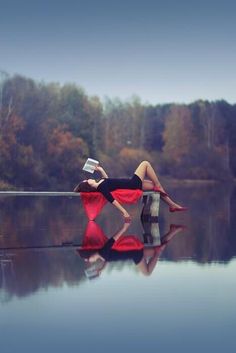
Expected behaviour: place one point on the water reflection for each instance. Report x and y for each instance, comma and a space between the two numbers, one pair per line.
98, 250
27, 269
39, 237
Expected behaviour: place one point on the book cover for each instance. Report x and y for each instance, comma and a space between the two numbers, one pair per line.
90, 165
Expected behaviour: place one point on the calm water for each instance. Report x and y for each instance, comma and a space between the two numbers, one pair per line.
187, 303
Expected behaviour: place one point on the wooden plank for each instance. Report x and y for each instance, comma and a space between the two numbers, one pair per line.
48, 193
151, 200
38, 193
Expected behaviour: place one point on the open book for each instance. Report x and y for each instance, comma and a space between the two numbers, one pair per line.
90, 165
91, 272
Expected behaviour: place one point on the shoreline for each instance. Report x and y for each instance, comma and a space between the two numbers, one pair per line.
191, 181
197, 182
164, 180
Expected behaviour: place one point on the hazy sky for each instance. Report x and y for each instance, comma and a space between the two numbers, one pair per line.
162, 51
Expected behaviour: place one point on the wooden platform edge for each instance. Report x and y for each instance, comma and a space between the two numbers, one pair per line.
50, 193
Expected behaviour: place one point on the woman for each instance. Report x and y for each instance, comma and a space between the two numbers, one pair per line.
145, 259
106, 185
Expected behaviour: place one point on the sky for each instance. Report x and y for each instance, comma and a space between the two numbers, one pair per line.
162, 51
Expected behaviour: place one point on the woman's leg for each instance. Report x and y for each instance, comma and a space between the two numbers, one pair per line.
174, 229
152, 255
145, 169
173, 205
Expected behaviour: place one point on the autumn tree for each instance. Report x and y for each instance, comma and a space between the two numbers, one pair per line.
66, 155
48, 130
178, 136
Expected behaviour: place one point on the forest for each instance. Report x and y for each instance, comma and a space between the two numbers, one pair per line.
47, 131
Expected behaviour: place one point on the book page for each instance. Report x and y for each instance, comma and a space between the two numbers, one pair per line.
90, 165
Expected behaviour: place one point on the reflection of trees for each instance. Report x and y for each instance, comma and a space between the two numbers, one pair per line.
40, 221
209, 223
56, 220
34, 270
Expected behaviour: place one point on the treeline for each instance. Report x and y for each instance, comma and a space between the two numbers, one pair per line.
48, 130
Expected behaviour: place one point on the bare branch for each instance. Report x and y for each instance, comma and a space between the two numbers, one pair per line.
10, 108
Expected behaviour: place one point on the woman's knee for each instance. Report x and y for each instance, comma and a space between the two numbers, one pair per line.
145, 163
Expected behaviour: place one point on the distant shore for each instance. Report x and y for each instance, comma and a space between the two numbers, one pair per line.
196, 182
164, 180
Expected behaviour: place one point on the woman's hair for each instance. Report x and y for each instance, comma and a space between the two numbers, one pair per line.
84, 187
86, 253
91, 271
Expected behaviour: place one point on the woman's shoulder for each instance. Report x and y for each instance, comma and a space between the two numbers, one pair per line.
101, 181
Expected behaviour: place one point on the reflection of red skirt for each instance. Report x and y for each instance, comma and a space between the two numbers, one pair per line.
94, 239
94, 202
127, 242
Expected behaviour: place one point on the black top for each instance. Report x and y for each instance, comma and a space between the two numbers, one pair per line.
110, 254
109, 184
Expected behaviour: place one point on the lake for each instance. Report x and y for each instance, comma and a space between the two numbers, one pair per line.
50, 299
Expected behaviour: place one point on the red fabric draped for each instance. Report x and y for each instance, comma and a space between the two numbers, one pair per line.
95, 239
93, 202
128, 242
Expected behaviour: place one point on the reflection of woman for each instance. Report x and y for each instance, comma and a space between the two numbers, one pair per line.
144, 258
107, 185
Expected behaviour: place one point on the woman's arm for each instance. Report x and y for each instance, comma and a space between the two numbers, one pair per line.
102, 171
121, 209
103, 188
120, 232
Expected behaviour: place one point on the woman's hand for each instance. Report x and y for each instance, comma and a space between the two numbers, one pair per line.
125, 214
102, 171
99, 168
127, 217
122, 230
